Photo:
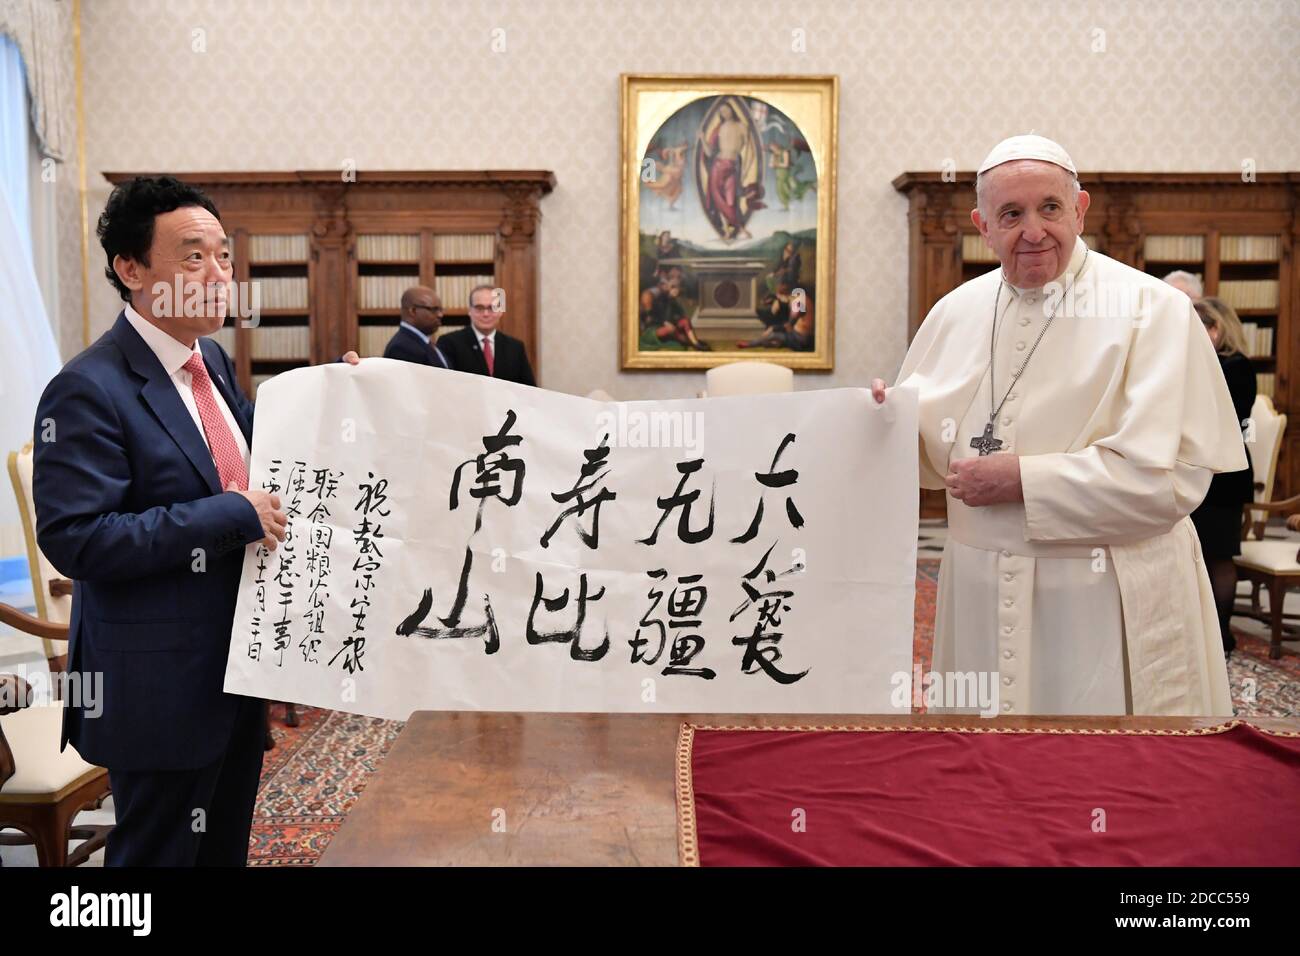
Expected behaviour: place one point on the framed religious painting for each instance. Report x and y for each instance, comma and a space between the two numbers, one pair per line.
728, 220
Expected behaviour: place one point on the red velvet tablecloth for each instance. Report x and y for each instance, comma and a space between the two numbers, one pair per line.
1229, 796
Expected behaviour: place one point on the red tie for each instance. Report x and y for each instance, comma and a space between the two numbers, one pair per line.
225, 453
487, 354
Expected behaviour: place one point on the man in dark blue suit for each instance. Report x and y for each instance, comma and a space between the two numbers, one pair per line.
415, 338
142, 498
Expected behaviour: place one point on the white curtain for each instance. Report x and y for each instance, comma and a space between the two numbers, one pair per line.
42, 30
15, 137
29, 357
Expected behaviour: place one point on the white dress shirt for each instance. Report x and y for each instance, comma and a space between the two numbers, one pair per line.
173, 355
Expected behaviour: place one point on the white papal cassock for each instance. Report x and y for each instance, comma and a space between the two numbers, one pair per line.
1091, 596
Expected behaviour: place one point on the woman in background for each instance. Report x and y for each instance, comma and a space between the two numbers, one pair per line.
1218, 519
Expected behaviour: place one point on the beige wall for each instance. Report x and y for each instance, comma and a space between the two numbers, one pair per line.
401, 84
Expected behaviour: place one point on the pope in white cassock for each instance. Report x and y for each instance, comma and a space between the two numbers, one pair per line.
1075, 412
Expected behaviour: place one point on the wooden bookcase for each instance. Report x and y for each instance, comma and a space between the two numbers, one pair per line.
1227, 230
330, 255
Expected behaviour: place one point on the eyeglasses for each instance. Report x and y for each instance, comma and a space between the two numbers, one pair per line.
435, 309
482, 308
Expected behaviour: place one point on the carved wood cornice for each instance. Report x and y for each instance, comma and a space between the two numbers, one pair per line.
539, 181
907, 182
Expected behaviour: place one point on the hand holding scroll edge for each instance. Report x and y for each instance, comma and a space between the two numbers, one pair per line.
269, 514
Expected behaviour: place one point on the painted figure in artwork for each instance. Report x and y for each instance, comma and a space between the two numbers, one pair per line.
783, 160
729, 149
668, 169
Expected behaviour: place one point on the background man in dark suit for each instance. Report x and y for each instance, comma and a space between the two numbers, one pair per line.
141, 493
481, 348
416, 336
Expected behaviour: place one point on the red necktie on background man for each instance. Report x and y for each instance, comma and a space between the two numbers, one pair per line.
221, 442
487, 354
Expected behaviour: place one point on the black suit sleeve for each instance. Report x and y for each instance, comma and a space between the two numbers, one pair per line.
525, 368
452, 346
393, 350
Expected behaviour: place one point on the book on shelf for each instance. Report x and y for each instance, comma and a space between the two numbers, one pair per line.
1259, 339
1264, 383
383, 292
388, 248
461, 248
1249, 293
277, 249
285, 343
1250, 248
1174, 248
281, 292
975, 249
454, 290
374, 338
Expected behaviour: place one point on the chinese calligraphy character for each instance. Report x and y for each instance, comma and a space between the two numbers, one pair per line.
592, 474
684, 608
774, 479
761, 650
571, 635
683, 501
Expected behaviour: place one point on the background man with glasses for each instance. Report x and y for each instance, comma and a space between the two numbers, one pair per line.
415, 338
481, 348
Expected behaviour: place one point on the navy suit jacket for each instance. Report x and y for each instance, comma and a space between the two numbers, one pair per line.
129, 505
406, 346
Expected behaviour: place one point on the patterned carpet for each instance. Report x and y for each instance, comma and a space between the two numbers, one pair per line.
319, 768
311, 779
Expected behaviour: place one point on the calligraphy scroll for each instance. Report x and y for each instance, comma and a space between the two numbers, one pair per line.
458, 542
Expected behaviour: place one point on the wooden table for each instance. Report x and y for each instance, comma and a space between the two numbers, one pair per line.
572, 789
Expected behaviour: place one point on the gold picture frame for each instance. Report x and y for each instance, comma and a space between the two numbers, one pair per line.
727, 220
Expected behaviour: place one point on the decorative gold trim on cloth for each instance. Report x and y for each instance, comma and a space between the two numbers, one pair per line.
1099, 731
688, 846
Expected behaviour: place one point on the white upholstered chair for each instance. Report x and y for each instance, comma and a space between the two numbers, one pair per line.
1269, 426
747, 378
41, 788
51, 592
1271, 564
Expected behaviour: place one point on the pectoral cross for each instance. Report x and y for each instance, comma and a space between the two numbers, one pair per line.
986, 443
